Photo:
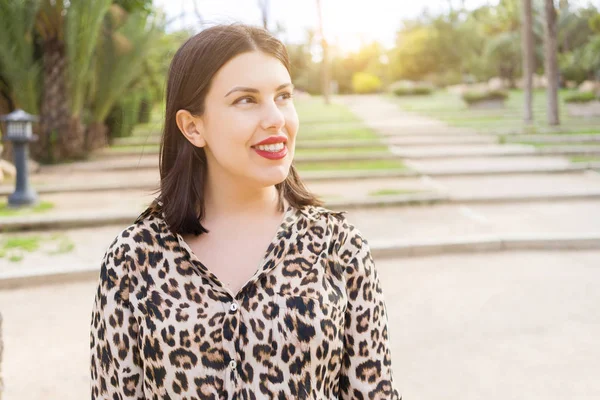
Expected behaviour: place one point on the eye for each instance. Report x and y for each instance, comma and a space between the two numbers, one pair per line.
286, 95
239, 101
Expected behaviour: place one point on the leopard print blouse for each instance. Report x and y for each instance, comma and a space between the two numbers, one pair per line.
310, 324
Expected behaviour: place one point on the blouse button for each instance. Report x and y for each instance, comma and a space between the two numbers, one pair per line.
233, 307
232, 364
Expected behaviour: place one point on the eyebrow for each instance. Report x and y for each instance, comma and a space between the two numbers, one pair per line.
252, 90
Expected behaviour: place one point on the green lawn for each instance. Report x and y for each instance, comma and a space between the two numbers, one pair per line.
552, 145
335, 132
391, 192
314, 111
451, 109
6, 211
15, 248
368, 165
585, 159
341, 150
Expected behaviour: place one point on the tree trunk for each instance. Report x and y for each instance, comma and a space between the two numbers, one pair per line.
550, 53
96, 136
58, 141
325, 61
528, 59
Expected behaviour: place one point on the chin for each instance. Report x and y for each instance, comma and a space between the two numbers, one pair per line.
273, 176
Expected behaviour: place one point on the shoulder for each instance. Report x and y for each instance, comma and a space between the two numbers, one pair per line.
348, 236
141, 233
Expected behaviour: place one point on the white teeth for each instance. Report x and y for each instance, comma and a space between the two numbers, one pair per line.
274, 148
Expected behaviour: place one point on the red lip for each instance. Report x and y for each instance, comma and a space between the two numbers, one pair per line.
272, 140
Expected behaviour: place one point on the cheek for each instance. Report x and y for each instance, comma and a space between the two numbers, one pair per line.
292, 122
232, 131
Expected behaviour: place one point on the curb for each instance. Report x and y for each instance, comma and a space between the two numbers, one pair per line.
492, 243
380, 250
556, 138
397, 154
136, 185
580, 166
95, 219
58, 188
320, 177
505, 153
300, 159
67, 221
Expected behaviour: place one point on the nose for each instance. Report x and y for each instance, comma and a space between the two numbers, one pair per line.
273, 118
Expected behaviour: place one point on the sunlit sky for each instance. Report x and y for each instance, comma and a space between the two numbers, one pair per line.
346, 23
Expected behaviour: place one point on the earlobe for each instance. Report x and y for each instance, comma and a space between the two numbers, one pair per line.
191, 127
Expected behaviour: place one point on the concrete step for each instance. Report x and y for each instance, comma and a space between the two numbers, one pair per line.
559, 139
458, 317
433, 167
89, 210
517, 184
508, 150
400, 151
392, 231
489, 164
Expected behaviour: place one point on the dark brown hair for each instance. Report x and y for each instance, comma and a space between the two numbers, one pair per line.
182, 165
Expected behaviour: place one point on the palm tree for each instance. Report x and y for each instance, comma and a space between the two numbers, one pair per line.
550, 51
528, 58
69, 33
56, 139
18, 67
119, 62
83, 30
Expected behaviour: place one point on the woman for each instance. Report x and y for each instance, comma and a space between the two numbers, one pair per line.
235, 283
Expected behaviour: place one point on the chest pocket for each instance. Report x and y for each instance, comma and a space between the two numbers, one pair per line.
307, 321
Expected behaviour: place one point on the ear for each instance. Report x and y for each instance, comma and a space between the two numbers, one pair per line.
191, 127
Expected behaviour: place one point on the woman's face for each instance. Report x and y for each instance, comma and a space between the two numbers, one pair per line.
249, 101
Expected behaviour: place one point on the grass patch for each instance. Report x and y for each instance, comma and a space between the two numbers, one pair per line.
367, 165
15, 248
542, 145
27, 243
341, 150
390, 192
449, 108
580, 159
314, 110
6, 211
334, 131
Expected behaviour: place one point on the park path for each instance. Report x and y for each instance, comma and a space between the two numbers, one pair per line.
518, 325
471, 326
377, 113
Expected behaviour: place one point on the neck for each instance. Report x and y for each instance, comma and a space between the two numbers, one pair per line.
226, 199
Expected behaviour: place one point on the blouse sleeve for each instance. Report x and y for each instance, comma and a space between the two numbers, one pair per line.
367, 364
116, 367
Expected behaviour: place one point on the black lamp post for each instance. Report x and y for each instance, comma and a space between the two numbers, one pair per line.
19, 132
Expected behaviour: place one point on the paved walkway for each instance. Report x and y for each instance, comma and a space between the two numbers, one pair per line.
482, 326
504, 326
407, 224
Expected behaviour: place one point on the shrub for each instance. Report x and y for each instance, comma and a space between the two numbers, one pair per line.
471, 97
416, 91
580, 97
363, 82
409, 88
